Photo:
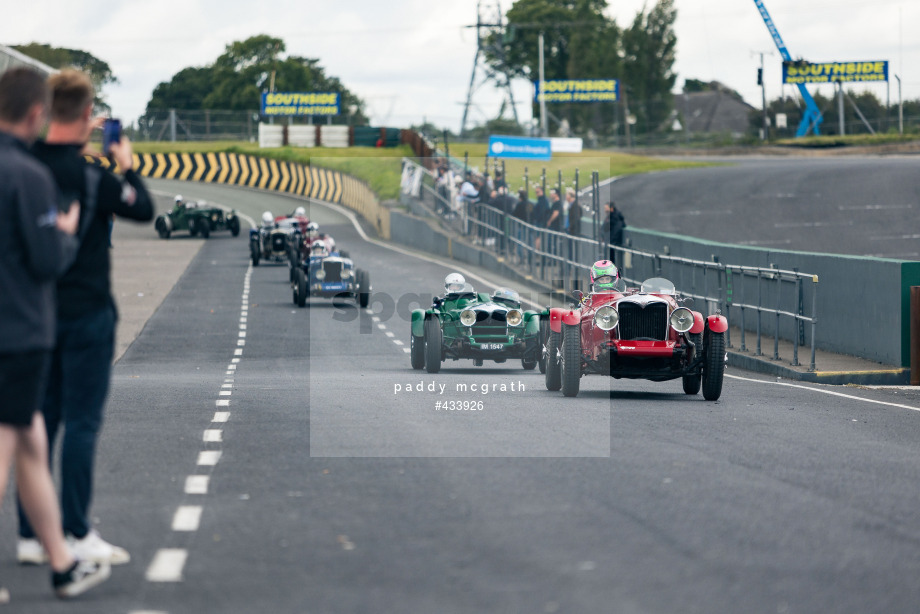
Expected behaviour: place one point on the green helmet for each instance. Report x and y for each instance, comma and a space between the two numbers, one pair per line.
604, 275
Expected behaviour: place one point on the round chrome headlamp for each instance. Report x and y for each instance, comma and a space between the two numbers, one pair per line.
681, 319
320, 274
346, 274
468, 317
515, 317
606, 318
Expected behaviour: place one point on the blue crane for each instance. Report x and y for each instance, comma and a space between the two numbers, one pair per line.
812, 119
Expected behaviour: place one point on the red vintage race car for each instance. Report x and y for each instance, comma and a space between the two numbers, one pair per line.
639, 333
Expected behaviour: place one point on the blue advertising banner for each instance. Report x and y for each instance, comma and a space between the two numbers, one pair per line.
303, 103
833, 72
580, 90
520, 147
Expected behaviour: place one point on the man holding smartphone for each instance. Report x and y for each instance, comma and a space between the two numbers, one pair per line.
84, 347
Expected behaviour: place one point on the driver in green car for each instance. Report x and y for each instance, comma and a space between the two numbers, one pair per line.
457, 293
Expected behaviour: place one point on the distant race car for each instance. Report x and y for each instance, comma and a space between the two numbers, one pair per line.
329, 274
469, 325
638, 333
197, 218
273, 241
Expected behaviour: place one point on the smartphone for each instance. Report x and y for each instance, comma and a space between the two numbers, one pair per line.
111, 133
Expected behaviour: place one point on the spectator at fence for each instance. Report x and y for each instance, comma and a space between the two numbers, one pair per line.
574, 213
467, 197
612, 228
522, 212
554, 221
499, 182
539, 215
442, 185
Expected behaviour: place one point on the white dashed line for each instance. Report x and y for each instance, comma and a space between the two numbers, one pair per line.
196, 485
237, 352
406, 350
221, 416
187, 518
398, 342
208, 458
213, 436
167, 565
222, 403
390, 335
225, 393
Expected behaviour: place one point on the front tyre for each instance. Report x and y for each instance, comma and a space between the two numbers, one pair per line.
693, 381
254, 252
234, 226
204, 227
553, 366
713, 365
364, 288
163, 227
416, 351
300, 288
571, 360
432, 345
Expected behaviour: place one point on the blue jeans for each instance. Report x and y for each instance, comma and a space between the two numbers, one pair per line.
78, 383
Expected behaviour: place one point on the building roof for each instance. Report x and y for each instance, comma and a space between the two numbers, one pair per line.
714, 111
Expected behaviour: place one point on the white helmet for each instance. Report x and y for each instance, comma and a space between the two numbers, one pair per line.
178, 198
267, 218
454, 282
312, 230
300, 212
318, 248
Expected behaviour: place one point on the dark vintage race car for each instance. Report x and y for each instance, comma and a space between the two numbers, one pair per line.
464, 324
273, 242
639, 333
197, 218
330, 275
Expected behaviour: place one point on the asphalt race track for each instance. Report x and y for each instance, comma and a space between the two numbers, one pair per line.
863, 206
259, 457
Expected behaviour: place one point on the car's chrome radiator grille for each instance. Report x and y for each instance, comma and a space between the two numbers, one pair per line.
487, 324
333, 271
649, 323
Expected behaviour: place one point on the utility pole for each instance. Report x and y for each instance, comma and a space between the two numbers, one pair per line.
763, 97
543, 131
900, 108
840, 123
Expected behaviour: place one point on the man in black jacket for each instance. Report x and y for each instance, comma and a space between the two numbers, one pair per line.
32, 250
86, 314
613, 228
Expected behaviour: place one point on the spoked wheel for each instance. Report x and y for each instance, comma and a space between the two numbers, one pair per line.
553, 365
713, 365
542, 340
571, 360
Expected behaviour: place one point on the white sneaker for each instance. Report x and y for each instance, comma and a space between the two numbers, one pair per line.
94, 548
30, 552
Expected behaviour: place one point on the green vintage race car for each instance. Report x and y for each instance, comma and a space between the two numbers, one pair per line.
466, 324
197, 218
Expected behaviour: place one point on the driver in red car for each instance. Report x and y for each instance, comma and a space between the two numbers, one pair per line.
604, 276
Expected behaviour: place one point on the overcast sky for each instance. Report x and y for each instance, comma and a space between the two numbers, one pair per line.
412, 59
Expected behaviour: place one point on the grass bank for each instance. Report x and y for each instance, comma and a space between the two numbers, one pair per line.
380, 167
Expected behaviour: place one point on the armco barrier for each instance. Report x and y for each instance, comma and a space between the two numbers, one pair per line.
268, 174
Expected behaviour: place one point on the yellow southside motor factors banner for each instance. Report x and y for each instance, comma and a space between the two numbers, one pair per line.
300, 103
796, 73
577, 90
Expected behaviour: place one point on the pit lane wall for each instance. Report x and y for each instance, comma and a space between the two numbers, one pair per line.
269, 174
863, 304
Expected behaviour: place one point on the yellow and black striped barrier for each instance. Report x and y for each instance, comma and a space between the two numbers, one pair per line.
268, 174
